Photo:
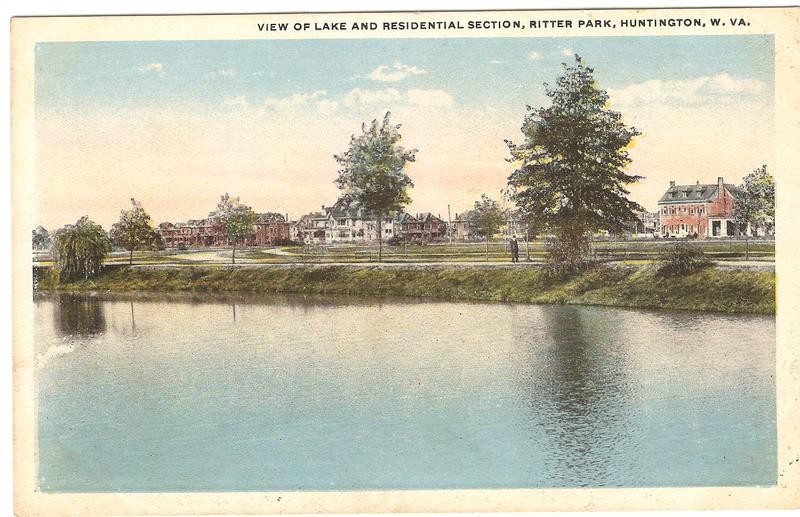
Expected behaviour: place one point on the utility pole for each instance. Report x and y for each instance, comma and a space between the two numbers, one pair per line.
449, 226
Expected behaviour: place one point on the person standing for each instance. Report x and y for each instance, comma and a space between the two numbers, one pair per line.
514, 248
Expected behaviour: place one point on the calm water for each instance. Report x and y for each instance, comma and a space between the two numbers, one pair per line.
161, 393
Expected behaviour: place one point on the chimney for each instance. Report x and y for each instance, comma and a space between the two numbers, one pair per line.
323, 207
720, 183
671, 183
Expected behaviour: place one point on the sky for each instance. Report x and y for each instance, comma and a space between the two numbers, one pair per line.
175, 124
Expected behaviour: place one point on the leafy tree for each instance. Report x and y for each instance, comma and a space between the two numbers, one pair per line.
40, 238
486, 218
79, 249
237, 220
754, 206
134, 230
570, 176
372, 172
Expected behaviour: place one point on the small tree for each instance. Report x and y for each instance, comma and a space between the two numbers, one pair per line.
40, 238
570, 176
372, 173
134, 230
754, 205
79, 249
237, 220
486, 218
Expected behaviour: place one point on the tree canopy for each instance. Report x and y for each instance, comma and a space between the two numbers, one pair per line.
754, 206
237, 220
40, 238
486, 218
570, 177
134, 230
372, 172
79, 249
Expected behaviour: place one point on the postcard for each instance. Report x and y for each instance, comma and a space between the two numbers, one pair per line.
405, 262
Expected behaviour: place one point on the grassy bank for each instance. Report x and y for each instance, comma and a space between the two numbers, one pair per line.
707, 290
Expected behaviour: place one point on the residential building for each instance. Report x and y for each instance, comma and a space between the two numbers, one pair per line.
699, 210
271, 229
647, 224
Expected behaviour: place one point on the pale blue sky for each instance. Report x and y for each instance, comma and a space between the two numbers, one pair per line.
475, 71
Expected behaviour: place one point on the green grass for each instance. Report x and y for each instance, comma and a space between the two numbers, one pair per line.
707, 290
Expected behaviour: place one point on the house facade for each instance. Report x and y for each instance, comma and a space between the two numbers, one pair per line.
699, 210
270, 229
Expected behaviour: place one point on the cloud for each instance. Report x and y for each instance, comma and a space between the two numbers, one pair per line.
396, 73
719, 88
566, 52
359, 97
392, 96
157, 68
227, 72
497, 61
298, 100
534, 56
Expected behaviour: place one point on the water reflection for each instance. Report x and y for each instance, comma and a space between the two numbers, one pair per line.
578, 393
79, 315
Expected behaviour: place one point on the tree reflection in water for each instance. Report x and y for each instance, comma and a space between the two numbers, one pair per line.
577, 388
79, 315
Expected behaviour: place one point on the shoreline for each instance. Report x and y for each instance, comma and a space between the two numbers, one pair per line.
731, 291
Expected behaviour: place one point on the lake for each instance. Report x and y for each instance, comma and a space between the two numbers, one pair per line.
156, 392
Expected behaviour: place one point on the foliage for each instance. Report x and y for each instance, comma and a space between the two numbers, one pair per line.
486, 217
568, 254
134, 230
570, 179
79, 249
372, 172
682, 259
755, 202
40, 238
237, 220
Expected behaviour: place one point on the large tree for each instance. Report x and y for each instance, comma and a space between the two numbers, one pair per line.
570, 169
237, 220
134, 231
79, 249
754, 205
486, 218
372, 172
40, 238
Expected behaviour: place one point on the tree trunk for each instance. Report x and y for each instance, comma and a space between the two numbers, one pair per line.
233, 255
380, 238
746, 247
487, 248
130, 263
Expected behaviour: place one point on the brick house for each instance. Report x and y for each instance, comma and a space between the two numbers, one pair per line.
271, 229
701, 210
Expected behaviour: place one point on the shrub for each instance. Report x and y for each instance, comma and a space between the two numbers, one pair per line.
568, 255
682, 259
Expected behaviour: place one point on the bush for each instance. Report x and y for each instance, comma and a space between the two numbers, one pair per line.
682, 259
568, 254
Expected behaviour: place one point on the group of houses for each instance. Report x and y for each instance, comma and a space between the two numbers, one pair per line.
695, 211
339, 223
